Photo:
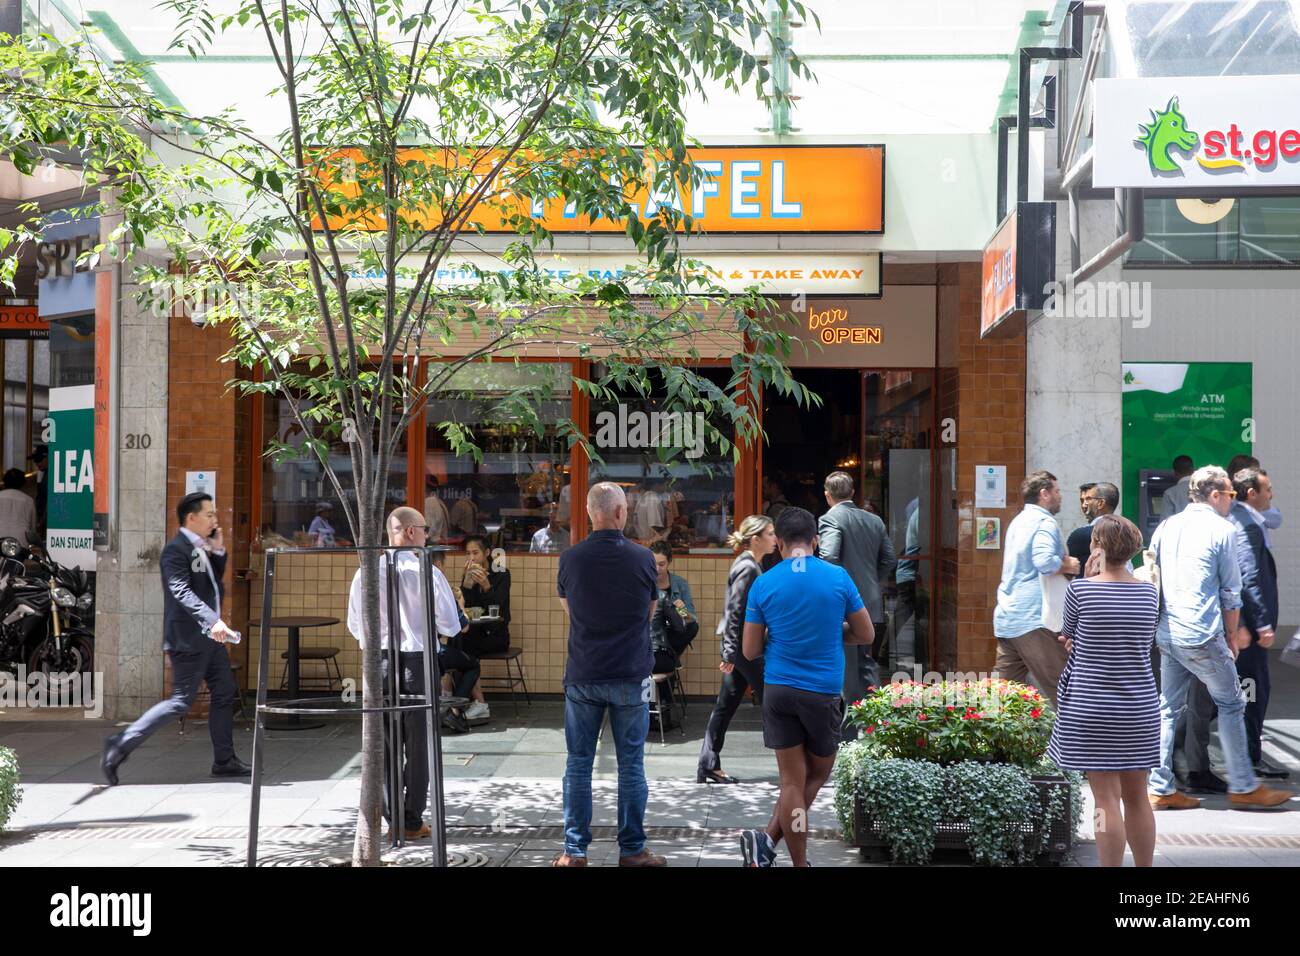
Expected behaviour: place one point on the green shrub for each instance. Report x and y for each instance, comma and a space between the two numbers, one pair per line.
990, 720
10, 793
908, 799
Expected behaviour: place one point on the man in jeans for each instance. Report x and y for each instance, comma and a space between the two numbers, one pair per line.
1200, 589
608, 586
1033, 548
798, 609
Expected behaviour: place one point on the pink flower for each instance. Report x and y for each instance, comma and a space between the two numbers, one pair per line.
1035, 713
920, 716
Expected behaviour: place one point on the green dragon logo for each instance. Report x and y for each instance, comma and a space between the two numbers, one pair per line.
1167, 130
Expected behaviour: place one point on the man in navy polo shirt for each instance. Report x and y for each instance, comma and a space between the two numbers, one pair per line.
801, 607
608, 586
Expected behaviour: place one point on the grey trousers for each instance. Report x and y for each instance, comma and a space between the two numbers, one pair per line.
189, 671
860, 672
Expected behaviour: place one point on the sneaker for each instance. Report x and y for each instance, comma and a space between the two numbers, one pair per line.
478, 713
757, 849
1261, 796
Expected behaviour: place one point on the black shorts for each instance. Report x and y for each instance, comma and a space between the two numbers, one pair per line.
794, 718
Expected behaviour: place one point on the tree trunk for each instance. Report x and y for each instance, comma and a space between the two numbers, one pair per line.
369, 837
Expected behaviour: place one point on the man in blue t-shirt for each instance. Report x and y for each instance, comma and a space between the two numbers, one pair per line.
798, 610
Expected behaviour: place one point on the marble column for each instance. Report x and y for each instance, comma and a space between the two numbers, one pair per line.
128, 620
1073, 424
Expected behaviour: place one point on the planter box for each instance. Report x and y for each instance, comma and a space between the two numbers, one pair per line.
952, 834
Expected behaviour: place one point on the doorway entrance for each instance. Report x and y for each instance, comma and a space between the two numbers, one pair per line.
879, 426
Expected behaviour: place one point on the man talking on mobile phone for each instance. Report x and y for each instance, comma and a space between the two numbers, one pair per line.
194, 637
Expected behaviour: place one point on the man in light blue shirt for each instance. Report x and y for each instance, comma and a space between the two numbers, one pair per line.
1034, 547
1200, 585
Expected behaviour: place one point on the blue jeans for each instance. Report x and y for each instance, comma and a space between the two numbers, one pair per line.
1211, 663
629, 720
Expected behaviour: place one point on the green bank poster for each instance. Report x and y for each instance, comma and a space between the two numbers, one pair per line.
1201, 409
70, 483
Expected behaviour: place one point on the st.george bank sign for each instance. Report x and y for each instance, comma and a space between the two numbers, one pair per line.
1223, 132
745, 189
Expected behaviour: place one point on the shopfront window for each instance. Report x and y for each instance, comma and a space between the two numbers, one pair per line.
517, 493
678, 490
300, 507
26, 397
1250, 231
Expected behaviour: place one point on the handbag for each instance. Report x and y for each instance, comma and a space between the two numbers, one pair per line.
1053, 587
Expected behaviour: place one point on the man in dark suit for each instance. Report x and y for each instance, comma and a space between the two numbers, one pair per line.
1098, 499
194, 636
857, 540
1259, 606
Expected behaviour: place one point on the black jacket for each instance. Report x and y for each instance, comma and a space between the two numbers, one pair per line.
744, 572
188, 600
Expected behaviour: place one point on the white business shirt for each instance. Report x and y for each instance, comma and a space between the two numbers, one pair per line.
201, 547
446, 613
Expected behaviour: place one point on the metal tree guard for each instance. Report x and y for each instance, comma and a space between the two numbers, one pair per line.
396, 705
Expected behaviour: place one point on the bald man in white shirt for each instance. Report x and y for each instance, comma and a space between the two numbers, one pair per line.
406, 529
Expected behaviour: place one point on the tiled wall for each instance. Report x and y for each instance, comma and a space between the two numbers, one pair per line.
318, 585
990, 431
210, 431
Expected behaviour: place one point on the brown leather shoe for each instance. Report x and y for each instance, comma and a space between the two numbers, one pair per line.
644, 858
1261, 796
422, 832
565, 860
1173, 801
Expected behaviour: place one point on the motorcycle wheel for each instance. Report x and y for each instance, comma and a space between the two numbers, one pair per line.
78, 658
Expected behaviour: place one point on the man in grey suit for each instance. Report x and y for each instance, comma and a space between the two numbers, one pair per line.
856, 540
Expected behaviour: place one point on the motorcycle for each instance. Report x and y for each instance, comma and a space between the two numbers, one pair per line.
46, 614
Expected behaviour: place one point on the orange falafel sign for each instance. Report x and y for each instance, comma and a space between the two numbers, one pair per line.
746, 189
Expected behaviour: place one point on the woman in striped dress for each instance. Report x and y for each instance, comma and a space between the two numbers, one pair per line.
1108, 710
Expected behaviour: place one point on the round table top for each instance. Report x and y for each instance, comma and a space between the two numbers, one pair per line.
301, 621
483, 620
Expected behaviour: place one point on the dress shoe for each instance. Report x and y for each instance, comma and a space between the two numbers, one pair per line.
234, 767
1269, 770
112, 759
422, 832
644, 858
565, 860
1261, 796
1173, 801
1205, 782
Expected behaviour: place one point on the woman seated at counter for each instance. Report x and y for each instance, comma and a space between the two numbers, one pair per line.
484, 588
674, 624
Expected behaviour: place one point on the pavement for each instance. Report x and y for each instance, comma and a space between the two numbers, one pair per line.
503, 797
